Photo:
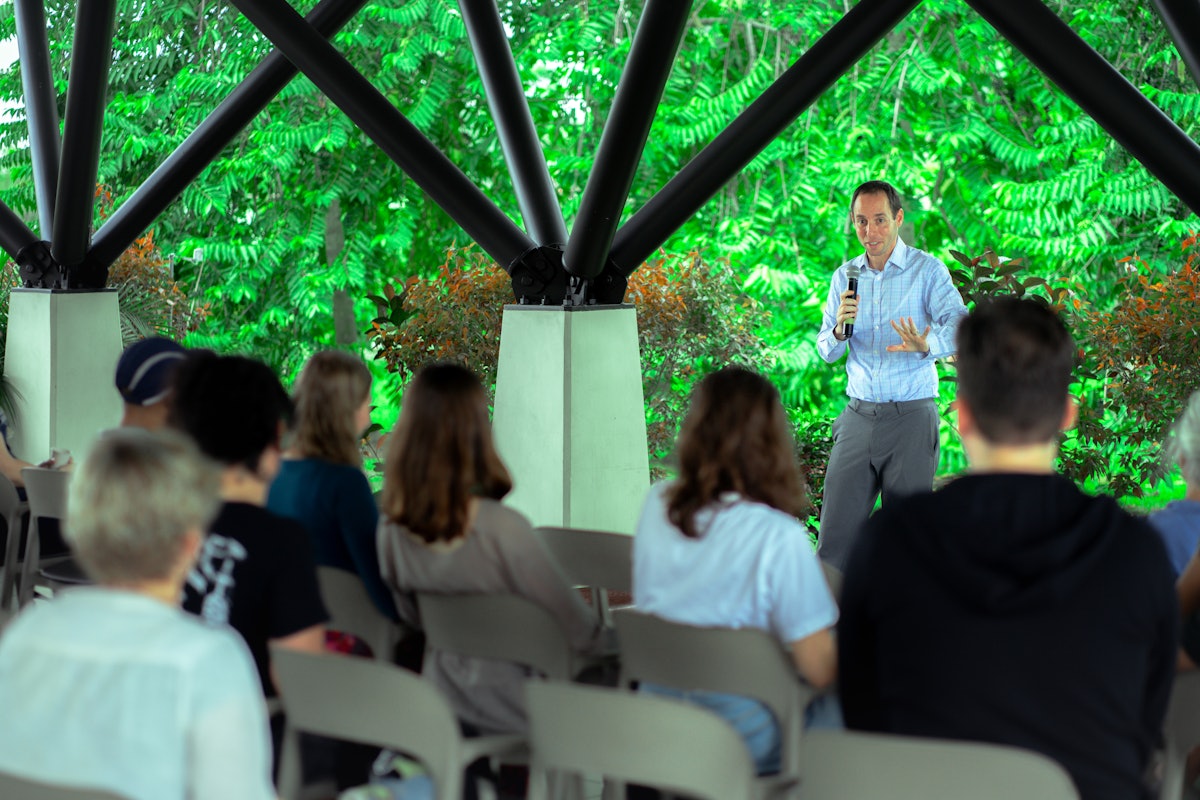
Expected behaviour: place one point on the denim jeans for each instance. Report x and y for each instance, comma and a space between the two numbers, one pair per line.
753, 721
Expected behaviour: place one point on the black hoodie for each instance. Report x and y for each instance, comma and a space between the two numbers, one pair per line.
1013, 608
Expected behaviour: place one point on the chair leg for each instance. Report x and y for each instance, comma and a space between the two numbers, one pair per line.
11, 548
33, 553
291, 773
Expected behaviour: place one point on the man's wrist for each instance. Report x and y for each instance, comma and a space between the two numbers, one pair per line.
840, 337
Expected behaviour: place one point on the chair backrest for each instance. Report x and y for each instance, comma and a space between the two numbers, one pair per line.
352, 611
746, 662
14, 788
1181, 730
841, 764
637, 738
591, 558
498, 626
365, 701
47, 491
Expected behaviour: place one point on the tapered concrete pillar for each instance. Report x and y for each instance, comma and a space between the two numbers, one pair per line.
570, 422
59, 359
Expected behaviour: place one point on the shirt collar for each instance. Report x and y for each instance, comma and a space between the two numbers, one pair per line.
898, 258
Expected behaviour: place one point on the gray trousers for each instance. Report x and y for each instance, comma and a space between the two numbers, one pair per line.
877, 447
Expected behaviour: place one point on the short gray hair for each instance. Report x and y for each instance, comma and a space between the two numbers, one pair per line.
1184, 441
133, 500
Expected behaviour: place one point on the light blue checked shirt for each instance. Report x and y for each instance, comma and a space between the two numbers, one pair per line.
911, 284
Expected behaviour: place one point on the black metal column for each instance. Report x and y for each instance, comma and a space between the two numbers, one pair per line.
642, 82
510, 111
41, 106
1182, 18
1135, 122
87, 92
768, 116
15, 235
205, 143
392, 131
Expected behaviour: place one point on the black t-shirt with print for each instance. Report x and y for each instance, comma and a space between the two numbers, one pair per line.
256, 572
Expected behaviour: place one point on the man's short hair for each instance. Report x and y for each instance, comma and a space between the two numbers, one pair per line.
231, 406
878, 187
133, 500
1015, 358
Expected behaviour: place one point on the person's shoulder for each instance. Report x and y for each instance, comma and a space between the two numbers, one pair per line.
493, 516
247, 521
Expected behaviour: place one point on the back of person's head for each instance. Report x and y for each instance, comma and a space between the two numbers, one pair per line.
331, 388
1015, 358
878, 187
233, 407
132, 502
735, 438
143, 375
1183, 446
441, 455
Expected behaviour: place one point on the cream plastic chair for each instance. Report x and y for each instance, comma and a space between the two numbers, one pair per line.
641, 739
836, 765
365, 701
835, 578
498, 626
14, 788
1181, 732
746, 662
599, 560
14, 511
47, 493
351, 611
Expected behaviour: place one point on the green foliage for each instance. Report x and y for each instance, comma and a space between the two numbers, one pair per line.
301, 204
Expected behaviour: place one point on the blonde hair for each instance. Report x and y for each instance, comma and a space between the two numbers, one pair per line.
329, 391
133, 500
441, 454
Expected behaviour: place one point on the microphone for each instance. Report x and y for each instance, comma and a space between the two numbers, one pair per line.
852, 273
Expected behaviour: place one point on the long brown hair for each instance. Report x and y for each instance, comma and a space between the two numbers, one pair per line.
441, 454
331, 388
735, 438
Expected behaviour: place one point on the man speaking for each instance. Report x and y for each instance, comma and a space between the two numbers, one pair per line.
901, 315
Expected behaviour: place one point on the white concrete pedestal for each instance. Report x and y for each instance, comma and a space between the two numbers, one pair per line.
570, 422
60, 357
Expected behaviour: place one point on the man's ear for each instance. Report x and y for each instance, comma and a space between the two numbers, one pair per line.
1070, 413
900, 216
966, 420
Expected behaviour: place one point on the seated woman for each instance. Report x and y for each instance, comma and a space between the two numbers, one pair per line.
113, 686
721, 545
444, 530
1179, 522
321, 483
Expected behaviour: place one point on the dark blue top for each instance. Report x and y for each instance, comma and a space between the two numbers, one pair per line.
334, 503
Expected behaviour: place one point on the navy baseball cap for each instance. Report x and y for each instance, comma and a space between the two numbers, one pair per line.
144, 370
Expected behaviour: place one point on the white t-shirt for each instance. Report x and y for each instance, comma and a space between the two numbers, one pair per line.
751, 567
113, 690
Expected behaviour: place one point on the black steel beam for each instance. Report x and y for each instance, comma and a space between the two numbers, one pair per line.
1095, 85
211, 136
638, 94
41, 106
87, 93
510, 110
387, 127
15, 235
1182, 18
748, 135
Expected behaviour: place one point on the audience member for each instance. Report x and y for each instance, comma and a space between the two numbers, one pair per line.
112, 686
1010, 607
255, 570
321, 484
444, 530
144, 380
720, 546
1179, 522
